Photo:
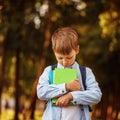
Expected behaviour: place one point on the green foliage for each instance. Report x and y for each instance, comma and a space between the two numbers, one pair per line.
98, 35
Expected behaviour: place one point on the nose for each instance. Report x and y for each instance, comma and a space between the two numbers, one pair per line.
65, 63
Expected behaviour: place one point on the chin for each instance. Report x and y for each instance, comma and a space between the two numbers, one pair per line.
66, 66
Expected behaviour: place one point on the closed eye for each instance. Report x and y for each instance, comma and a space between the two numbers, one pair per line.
70, 57
60, 58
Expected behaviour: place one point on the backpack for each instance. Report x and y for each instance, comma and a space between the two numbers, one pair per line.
83, 75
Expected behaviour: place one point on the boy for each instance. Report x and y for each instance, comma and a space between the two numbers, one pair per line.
65, 47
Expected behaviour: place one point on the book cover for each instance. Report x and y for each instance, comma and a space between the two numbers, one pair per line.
63, 75
51, 76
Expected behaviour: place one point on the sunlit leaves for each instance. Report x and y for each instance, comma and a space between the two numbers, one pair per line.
1, 38
37, 22
113, 45
110, 25
11, 72
108, 22
56, 15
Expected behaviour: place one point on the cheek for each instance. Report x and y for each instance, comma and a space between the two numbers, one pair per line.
73, 59
70, 62
59, 60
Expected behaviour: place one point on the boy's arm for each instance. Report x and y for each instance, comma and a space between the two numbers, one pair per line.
91, 95
74, 85
64, 99
46, 91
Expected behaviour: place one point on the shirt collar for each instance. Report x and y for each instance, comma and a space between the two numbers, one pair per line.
74, 65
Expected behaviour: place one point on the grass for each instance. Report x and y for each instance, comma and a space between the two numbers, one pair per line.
8, 114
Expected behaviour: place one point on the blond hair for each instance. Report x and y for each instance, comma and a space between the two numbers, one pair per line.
64, 40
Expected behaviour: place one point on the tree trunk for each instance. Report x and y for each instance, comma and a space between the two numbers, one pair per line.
117, 96
2, 66
17, 91
42, 60
33, 100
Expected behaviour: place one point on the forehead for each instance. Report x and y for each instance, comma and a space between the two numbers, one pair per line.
65, 55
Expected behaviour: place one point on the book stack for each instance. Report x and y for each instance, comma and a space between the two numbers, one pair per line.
62, 75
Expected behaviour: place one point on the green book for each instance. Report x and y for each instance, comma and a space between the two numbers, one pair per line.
63, 75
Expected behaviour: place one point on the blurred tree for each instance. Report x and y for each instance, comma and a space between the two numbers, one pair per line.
42, 64
3, 63
17, 37
27, 26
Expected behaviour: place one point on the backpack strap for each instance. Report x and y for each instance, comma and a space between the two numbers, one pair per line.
83, 75
51, 73
54, 66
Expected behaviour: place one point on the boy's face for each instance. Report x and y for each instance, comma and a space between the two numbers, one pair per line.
66, 60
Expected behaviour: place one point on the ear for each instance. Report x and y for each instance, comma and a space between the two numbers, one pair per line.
77, 49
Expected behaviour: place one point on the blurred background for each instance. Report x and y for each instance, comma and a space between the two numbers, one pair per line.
25, 50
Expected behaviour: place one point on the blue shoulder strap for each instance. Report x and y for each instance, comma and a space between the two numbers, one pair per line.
54, 66
51, 73
83, 75
51, 77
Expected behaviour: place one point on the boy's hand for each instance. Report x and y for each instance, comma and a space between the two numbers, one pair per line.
64, 100
74, 85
